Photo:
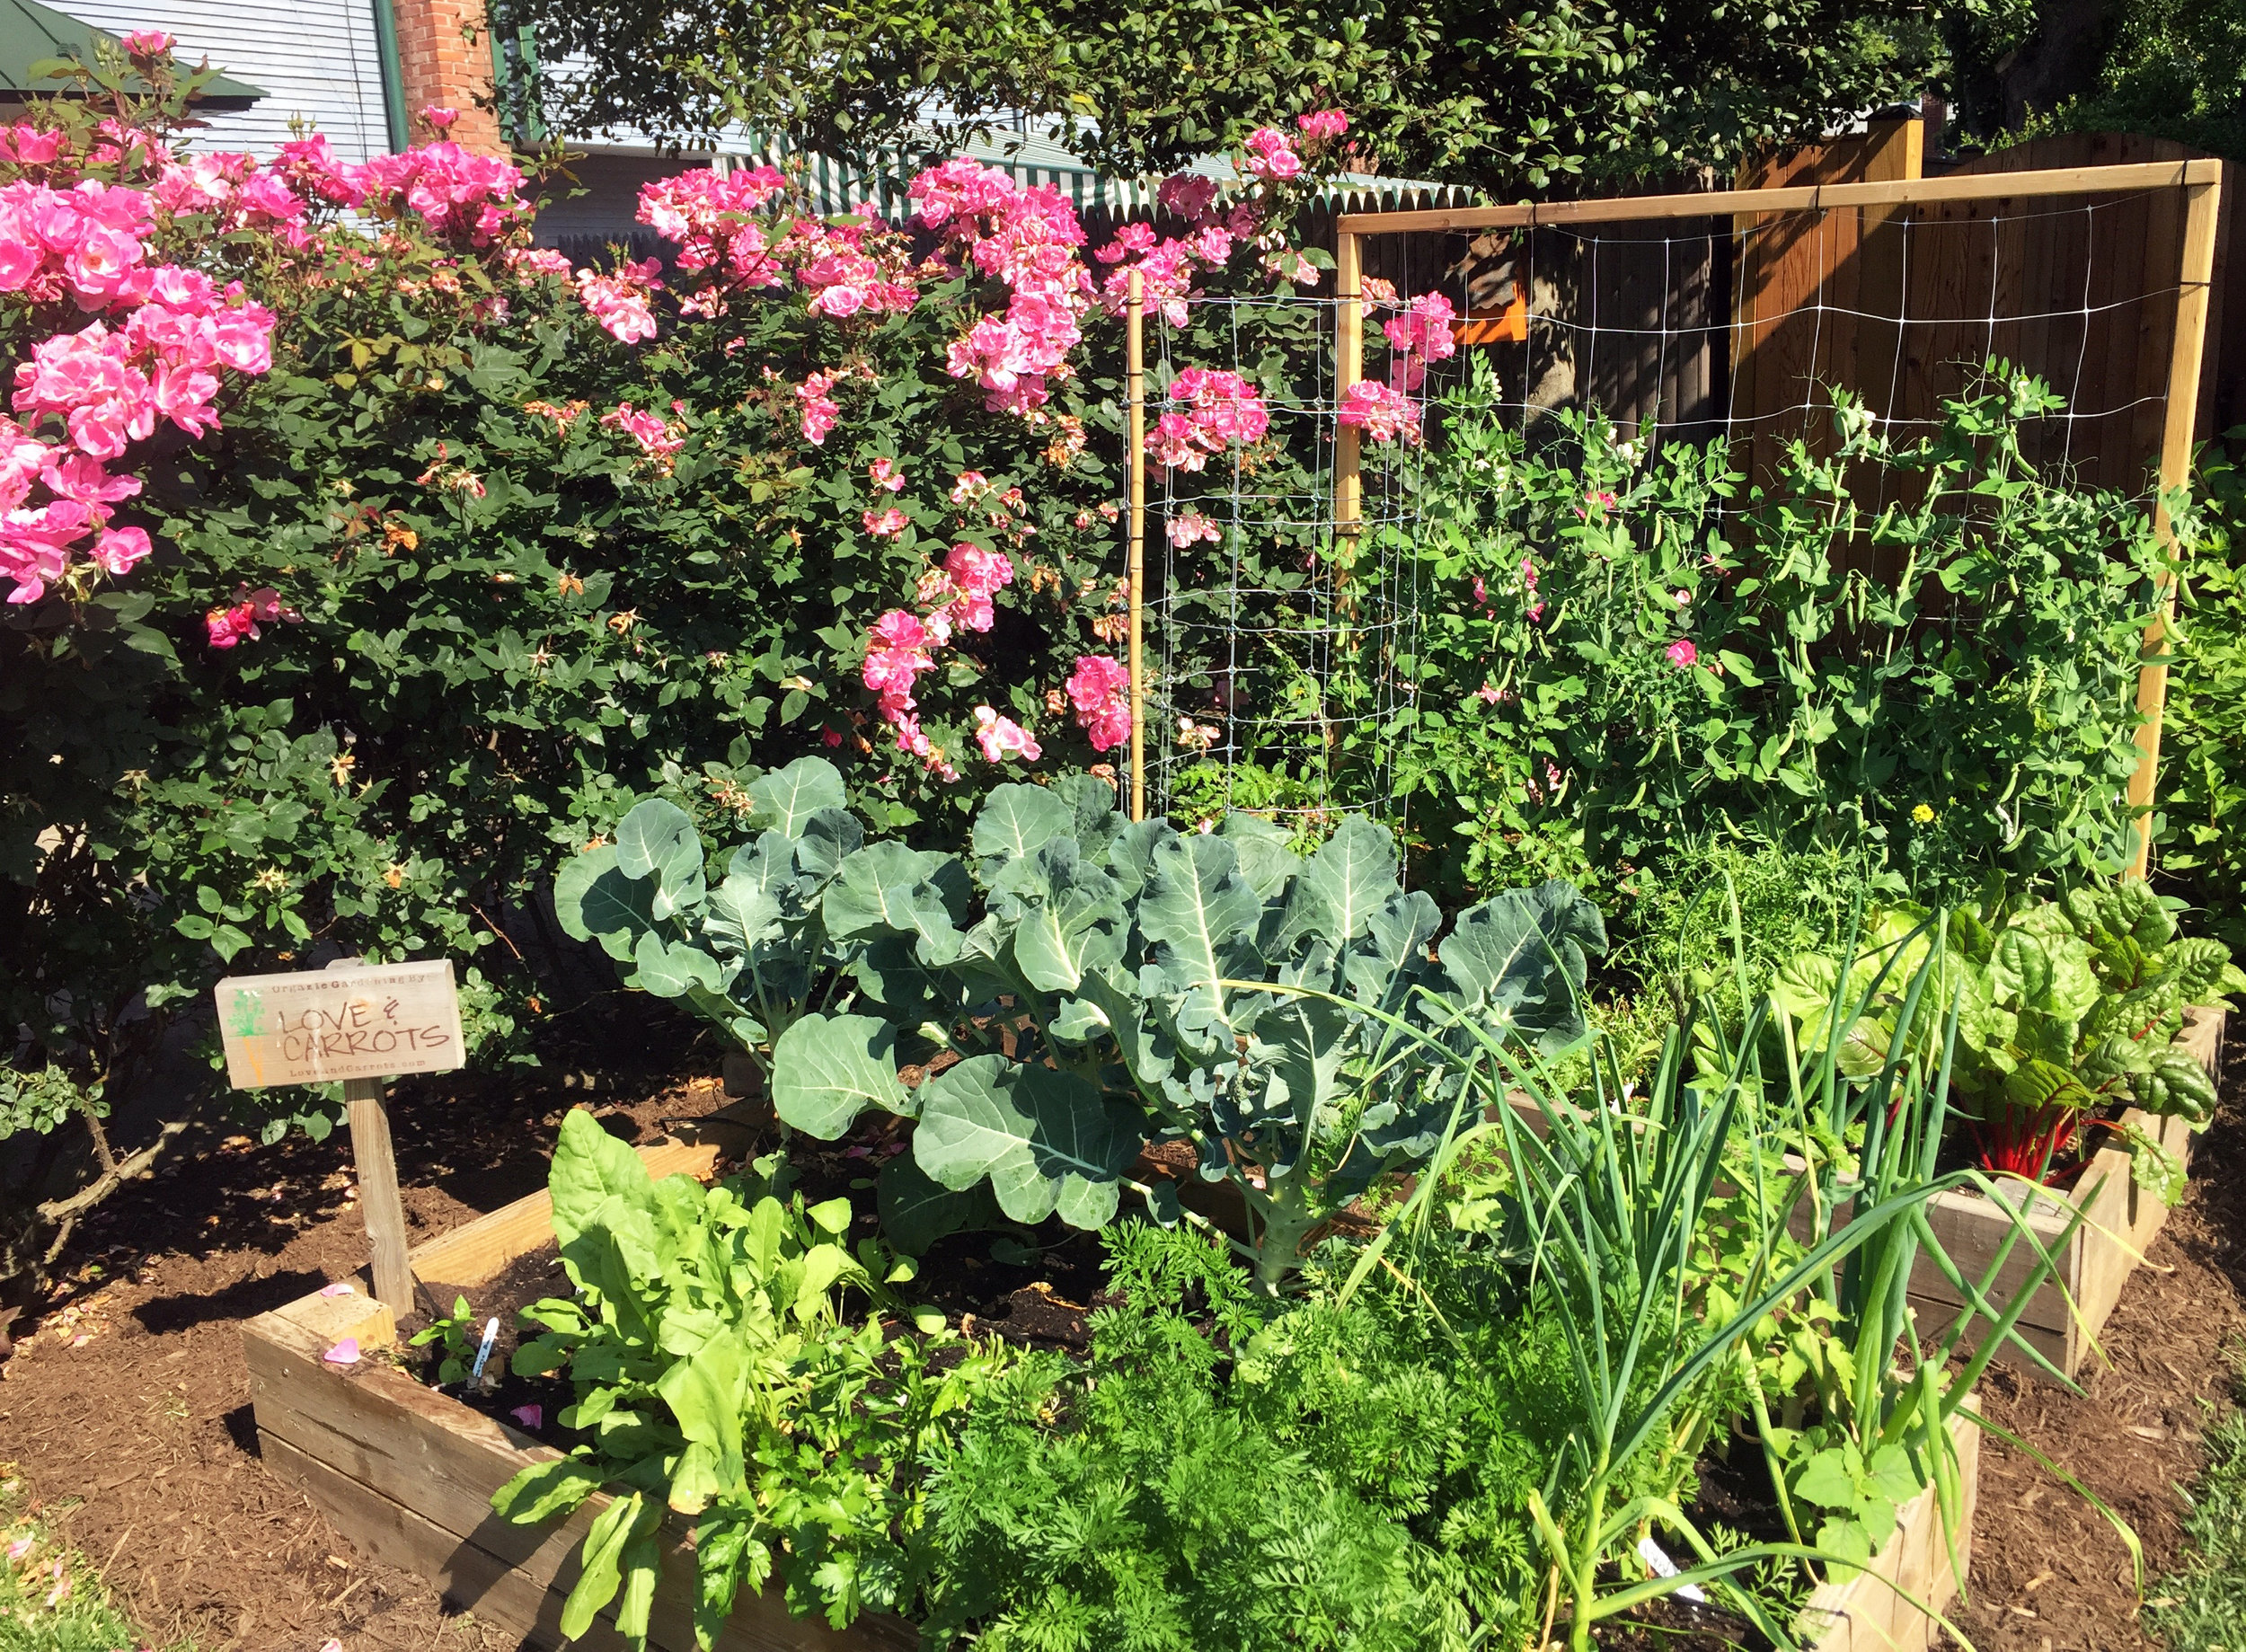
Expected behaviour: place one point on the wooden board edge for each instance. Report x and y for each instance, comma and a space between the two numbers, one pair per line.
1865, 1614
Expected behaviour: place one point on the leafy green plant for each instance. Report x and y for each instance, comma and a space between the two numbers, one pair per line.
716, 1376
1121, 983
2066, 1007
2202, 795
1626, 658
459, 1336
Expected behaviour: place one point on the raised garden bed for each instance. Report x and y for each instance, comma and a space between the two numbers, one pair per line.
407, 1474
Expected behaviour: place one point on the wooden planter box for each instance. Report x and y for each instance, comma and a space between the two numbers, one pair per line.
407, 1473
1865, 1614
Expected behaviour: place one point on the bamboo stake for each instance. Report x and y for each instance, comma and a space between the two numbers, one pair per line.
1348, 485
1134, 389
2195, 280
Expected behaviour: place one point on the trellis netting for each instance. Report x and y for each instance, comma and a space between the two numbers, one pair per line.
1282, 667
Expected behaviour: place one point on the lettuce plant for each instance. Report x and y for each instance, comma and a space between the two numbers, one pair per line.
1085, 986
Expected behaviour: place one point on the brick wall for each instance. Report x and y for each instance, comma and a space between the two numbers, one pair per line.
445, 53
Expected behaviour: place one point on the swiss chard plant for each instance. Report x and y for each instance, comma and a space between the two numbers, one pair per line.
1086, 985
718, 1376
2066, 1009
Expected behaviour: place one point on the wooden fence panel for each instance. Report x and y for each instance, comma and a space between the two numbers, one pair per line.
2079, 290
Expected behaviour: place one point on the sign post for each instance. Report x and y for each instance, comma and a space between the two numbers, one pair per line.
359, 1023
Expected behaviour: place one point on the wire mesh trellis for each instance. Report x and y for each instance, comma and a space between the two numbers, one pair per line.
1273, 637
1724, 318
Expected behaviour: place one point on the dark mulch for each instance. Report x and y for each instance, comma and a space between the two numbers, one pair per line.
2049, 1574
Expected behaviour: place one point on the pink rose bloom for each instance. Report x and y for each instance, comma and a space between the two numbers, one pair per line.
886, 474
1189, 195
818, 414
182, 395
899, 630
1001, 737
101, 266
439, 117
1192, 526
243, 338
1270, 156
886, 524
974, 569
120, 548
1381, 412
1682, 652
148, 43
1099, 690
1324, 124
619, 302
74, 476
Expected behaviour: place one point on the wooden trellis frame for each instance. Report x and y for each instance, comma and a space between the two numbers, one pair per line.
2199, 182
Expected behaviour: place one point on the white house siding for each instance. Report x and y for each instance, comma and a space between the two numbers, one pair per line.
316, 59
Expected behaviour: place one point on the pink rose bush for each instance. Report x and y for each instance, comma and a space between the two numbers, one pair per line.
162, 343
1027, 239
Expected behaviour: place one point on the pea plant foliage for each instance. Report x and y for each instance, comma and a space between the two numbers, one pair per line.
1080, 986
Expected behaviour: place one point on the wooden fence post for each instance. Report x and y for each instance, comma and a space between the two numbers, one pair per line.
377, 1166
2202, 203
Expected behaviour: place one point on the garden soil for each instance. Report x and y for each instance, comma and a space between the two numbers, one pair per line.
125, 1404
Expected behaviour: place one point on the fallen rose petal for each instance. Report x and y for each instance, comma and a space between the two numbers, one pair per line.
344, 1353
529, 1416
337, 1289
332, 1645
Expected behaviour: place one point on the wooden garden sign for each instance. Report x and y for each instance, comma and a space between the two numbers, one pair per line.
360, 1023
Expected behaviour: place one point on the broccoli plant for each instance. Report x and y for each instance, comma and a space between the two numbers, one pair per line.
1082, 986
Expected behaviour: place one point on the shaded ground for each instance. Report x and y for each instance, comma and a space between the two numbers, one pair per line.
2049, 1574
127, 1405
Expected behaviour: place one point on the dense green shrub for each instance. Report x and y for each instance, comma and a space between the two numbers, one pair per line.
2201, 802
